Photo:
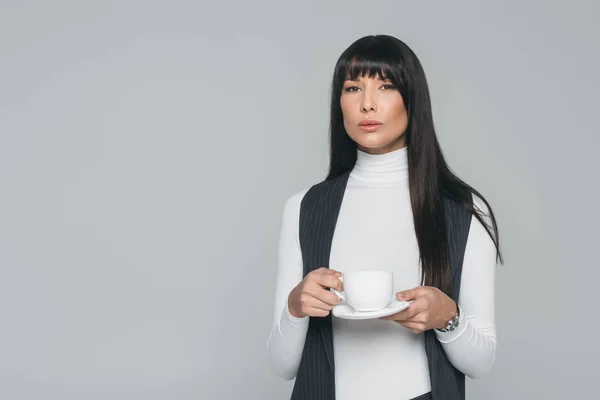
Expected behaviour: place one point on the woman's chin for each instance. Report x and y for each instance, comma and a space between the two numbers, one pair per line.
373, 144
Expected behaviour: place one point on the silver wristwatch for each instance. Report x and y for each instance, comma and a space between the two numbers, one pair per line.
453, 323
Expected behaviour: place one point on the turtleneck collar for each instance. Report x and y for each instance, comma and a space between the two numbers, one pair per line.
381, 169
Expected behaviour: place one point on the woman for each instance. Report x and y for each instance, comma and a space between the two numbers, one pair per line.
397, 190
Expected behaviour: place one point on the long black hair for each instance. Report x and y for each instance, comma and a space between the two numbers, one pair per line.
430, 178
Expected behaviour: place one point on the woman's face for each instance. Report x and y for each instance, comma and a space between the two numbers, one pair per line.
374, 114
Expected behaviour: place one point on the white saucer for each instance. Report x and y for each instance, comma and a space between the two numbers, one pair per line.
343, 310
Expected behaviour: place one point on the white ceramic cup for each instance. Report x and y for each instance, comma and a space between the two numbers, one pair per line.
367, 290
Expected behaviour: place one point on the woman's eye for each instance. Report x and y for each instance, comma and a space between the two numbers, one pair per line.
389, 87
351, 89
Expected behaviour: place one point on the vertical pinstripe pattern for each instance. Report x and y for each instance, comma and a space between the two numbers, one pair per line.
319, 212
447, 382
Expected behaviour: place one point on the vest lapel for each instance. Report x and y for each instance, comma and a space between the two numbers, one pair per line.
317, 227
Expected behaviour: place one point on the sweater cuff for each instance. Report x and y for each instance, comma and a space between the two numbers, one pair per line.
291, 318
447, 337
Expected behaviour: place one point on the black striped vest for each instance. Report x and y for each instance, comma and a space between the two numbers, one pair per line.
315, 379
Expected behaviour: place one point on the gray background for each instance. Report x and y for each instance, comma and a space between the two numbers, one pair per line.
146, 150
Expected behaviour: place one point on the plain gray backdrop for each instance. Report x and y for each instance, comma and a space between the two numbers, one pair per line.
147, 148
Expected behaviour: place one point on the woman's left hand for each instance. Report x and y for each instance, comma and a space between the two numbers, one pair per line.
431, 308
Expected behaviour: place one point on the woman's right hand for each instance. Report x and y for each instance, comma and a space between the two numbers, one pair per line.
312, 297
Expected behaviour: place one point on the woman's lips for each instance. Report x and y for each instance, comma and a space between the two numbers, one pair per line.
369, 126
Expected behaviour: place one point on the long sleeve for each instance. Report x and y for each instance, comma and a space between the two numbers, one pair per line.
286, 340
471, 348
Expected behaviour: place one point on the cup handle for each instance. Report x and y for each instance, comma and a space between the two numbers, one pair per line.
341, 295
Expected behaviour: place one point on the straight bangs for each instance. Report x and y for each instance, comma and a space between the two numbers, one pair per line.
360, 66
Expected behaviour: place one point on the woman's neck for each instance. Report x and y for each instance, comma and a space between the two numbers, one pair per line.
381, 169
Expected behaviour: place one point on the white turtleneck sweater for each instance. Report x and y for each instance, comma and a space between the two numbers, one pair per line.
375, 231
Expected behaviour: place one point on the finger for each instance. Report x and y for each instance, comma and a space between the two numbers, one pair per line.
414, 327
324, 295
330, 281
419, 318
394, 317
401, 316
327, 271
421, 304
412, 294
323, 271
308, 300
407, 314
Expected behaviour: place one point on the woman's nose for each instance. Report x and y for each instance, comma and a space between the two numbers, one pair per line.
368, 103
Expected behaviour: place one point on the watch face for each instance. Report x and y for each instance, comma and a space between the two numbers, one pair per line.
452, 324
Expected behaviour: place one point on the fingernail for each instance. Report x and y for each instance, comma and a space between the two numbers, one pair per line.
400, 295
